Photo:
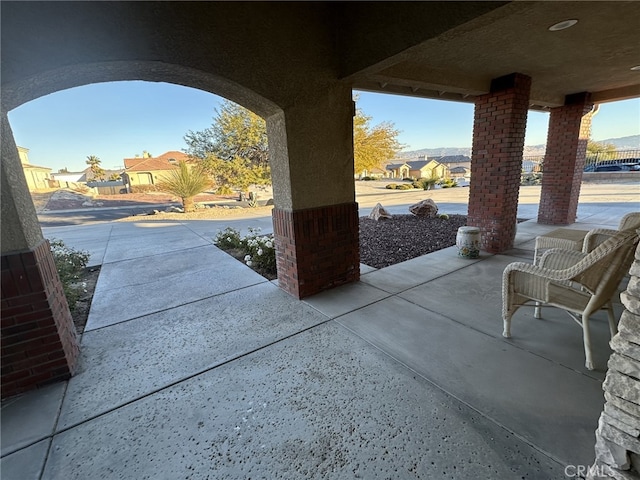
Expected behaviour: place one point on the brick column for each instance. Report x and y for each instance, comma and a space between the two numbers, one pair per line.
315, 219
39, 344
500, 120
317, 248
569, 129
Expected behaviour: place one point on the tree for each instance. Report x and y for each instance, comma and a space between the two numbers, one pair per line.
96, 169
186, 182
234, 149
372, 145
235, 132
601, 151
114, 177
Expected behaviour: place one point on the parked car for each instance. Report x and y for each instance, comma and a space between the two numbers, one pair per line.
621, 165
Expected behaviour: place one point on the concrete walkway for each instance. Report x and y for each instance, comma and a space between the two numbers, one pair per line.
193, 366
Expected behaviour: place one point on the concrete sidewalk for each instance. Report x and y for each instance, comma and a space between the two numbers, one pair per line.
194, 366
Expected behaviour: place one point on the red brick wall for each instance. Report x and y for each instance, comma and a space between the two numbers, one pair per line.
569, 129
500, 120
317, 248
39, 344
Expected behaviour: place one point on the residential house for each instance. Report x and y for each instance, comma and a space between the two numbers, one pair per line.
398, 170
148, 170
425, 168
37, 177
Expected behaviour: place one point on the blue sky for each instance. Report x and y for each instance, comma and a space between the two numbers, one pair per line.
121, 119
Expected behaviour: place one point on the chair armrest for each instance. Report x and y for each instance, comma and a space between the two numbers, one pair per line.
596, 237
558, 259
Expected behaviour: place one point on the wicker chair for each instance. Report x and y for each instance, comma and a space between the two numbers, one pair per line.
579, 283
596, 237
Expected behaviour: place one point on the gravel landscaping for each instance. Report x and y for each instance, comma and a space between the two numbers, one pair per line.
403, 237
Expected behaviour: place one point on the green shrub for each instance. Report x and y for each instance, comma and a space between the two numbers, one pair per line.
224, 190
448, 183
70, 264
391, 186
227, 239
260, 251
257, 251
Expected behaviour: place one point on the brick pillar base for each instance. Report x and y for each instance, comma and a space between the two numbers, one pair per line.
500, 119
317, 248
39, 344
569, 128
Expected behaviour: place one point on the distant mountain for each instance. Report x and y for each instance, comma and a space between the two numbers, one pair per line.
631, 142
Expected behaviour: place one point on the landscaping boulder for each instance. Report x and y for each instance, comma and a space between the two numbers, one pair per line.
425, 208
379, 213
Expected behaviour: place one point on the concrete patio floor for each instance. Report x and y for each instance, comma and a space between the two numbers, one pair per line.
194, 366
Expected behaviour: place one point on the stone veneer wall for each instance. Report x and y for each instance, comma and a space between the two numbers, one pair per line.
39, 343
618, 433
317, 248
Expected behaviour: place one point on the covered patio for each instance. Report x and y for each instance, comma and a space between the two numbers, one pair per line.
404, 374
296, 65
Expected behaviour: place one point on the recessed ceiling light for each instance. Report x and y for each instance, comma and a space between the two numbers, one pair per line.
562, 25
636, 68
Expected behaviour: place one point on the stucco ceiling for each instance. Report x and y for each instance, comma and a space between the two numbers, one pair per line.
596, 55
286, 51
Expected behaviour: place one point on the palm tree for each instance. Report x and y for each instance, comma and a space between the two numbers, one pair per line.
186, 182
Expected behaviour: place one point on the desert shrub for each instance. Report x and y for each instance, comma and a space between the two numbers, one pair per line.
426, 183
224, 190
404, 186
391, 186
531, 179
448, 183
417, 184
70, 264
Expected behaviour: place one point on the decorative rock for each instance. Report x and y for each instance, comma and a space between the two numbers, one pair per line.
425, 208
379, 212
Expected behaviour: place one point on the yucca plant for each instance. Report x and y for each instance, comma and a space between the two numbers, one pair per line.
186, 182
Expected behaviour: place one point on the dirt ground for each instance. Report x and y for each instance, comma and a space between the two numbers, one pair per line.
64, 199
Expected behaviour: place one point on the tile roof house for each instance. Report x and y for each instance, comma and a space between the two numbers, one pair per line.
151, 170
398, 170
